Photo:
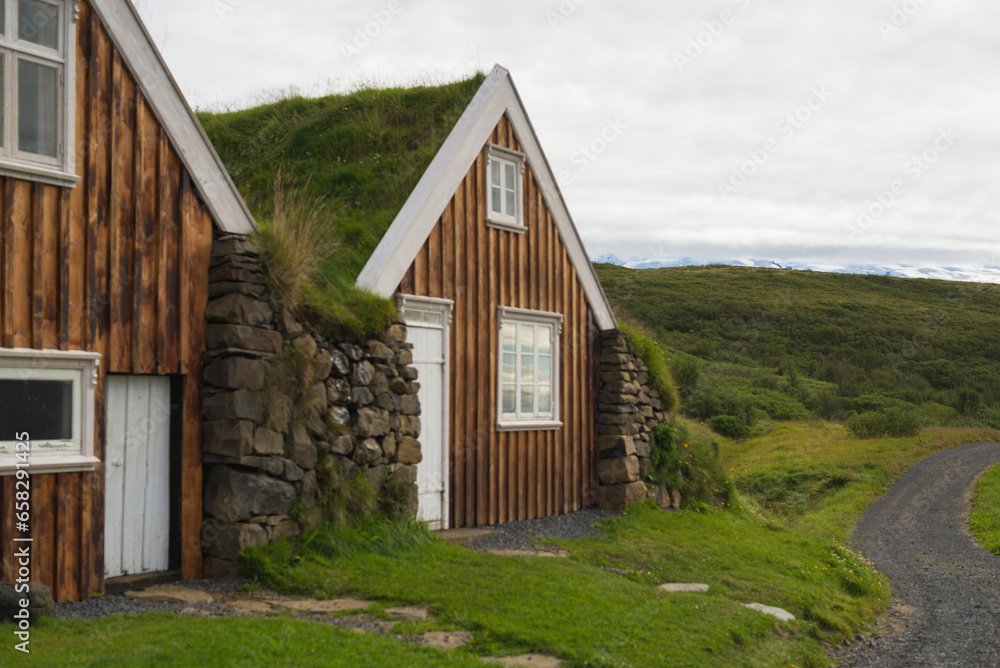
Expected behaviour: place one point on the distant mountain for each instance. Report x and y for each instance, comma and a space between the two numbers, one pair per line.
965, 274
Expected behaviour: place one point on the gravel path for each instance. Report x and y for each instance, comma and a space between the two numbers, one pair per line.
946, 589
531, 534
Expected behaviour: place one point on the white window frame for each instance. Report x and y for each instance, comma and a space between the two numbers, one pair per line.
75, 454
505, 220
519, 421
60, 170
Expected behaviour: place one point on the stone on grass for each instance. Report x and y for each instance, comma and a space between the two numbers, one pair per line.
251, 607
559, 554
445, 639
171, 594
409, 613
777, 613
532, 660
39, 599
680, 587
325, 607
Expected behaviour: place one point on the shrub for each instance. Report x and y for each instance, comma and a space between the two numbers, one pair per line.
890, 422
728, 426
689, 465
714, 399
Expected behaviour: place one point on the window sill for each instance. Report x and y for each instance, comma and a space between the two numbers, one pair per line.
38, 465
529, 425
506, 226
40, 173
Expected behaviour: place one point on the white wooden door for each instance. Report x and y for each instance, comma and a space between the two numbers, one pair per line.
137, 476
428, 322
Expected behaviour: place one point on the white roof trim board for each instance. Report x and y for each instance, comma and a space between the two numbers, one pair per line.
416, 220
167, 102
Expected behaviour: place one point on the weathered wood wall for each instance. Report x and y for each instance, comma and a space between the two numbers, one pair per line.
116, 265
499, 477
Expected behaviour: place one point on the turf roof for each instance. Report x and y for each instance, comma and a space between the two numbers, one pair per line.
363, 152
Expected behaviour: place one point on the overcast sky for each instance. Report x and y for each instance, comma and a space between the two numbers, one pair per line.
850, 131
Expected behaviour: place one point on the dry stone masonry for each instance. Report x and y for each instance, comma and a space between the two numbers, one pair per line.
628, 410
352, 410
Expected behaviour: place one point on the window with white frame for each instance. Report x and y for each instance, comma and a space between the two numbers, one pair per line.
47, 410
37, 57
529, 369
505, 172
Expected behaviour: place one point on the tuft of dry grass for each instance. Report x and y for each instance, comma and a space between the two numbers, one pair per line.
297, 242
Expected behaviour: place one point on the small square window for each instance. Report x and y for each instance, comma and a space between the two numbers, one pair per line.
47, 421
529, 378
505, 171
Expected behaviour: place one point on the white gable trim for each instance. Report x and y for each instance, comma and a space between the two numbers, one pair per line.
416, 220
178, 120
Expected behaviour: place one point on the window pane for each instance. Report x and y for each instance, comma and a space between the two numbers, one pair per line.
37, 112
3, 17
42, 408
511, 209
497, 200
509, 399
495, 173
527, 339
510, 368
3, 87
544, 369
528, 399
510, 175
38, 23
545, 399
509, 333
545, 340
527, 369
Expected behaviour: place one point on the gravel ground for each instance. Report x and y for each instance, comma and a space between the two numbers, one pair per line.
527, 535
531, 534
946, 589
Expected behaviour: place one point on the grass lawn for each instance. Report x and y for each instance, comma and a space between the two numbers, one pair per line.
984, 522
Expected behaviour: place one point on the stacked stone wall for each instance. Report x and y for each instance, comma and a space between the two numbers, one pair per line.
286, 411
628, 409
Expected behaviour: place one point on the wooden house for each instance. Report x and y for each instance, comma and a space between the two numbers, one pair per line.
109, 195
504, 311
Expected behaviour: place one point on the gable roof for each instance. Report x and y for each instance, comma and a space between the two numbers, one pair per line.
175, 115
416, 220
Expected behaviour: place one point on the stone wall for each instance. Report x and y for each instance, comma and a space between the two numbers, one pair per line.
285, 411
628, 409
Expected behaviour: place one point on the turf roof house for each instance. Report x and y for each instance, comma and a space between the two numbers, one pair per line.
109, 194
505, 313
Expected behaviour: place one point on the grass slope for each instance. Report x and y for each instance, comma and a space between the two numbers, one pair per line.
984, 521
795, 344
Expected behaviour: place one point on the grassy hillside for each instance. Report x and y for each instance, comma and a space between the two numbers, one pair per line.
791, 345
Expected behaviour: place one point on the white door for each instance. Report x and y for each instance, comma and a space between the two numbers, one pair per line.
428, 322
137, 476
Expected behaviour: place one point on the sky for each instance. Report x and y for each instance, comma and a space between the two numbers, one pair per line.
847, 131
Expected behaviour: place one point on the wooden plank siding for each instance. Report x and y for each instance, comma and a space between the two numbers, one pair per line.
116, 265
499, 477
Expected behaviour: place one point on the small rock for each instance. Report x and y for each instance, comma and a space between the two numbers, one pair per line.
777, 613
445, 639
251, 607
560, 554
171, 594
678, 587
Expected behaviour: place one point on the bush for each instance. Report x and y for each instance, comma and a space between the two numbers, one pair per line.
890, 422
689, 465
713, 399
729, 426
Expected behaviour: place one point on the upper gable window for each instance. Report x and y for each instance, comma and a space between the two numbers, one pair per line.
37, 40
504, 188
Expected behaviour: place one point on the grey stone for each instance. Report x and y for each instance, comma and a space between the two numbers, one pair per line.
300, 448
363, 374
310, 487
234, 245
376, 350
404, 358
341, 363
342, 468
362, 396
342, 445
236, 309
228, 438
232, 288
409, 373
619, 497
408, 451
380, 384
272, 465
409, 405
233, 495
643, 449
777, 613
400, 386
376, 476
243, 337
38, 597
371, 422
389, 447
339, 415
314, 401
286, 528
353, 352
236, 373
221, 568
409, 426
395, 334
324, 364
614, 447
338, 391
618, 471
292, 472
390, 401
239, 405
307, 344
226, 541
234, 274
367, 452
405, 474
268, 442
279, 413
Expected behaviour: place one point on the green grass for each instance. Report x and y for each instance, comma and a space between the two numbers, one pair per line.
984, 522
359, 154
159, 639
